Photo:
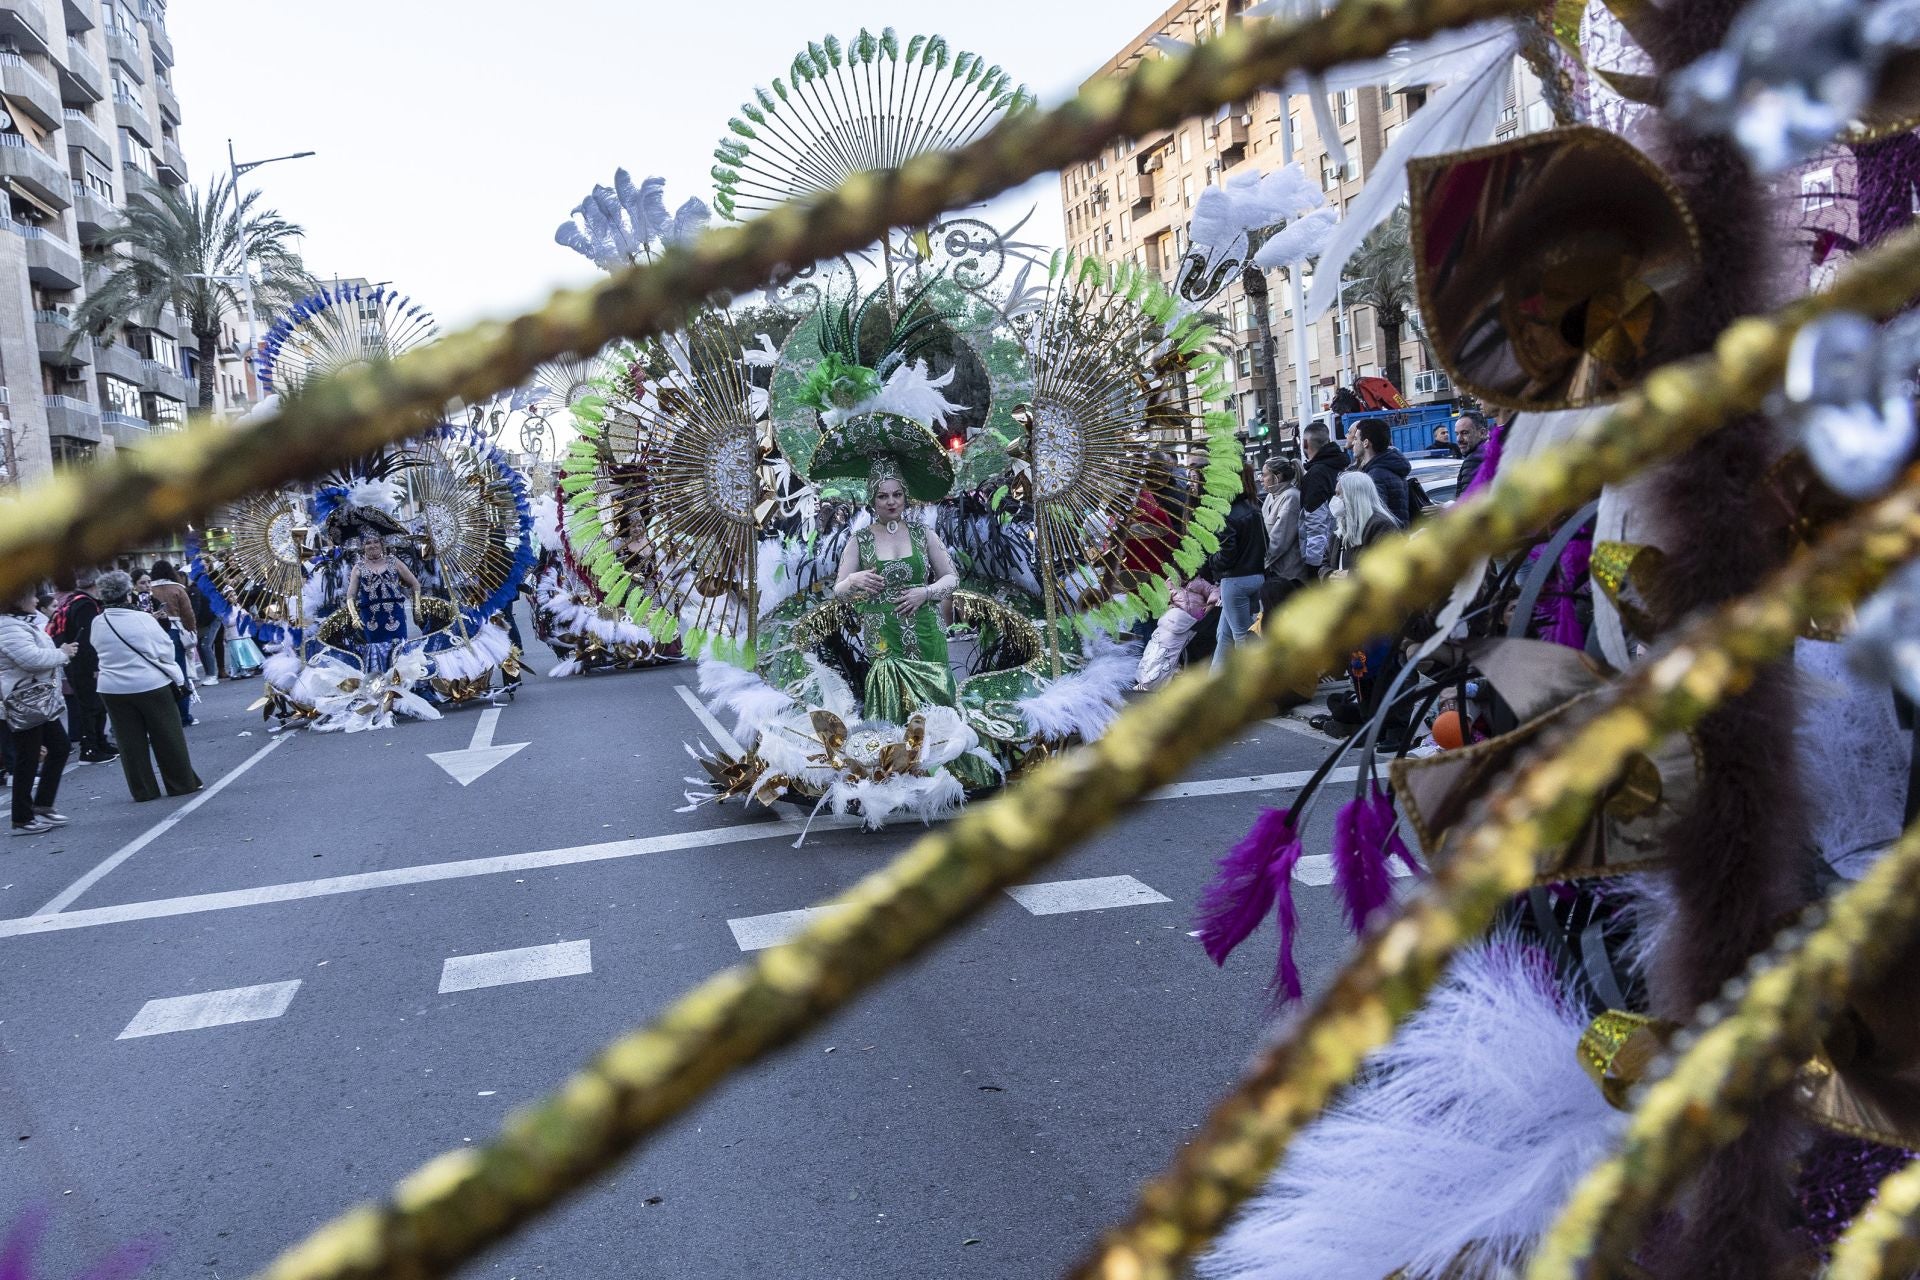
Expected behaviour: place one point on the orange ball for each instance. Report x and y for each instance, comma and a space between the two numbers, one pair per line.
1446, 730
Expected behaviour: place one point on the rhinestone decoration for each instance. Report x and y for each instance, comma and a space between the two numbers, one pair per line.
1059, 449
730, 474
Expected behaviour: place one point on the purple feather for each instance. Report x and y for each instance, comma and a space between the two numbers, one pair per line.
1365, 840
1489, 461
1256, 874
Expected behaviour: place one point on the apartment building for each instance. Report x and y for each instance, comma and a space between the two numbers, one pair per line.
1133, 203
88, 117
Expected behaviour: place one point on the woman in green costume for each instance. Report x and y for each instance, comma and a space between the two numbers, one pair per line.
897, 572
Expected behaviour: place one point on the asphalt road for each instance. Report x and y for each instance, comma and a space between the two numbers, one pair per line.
985, 1112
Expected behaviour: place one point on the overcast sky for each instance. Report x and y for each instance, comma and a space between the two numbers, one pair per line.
455, 135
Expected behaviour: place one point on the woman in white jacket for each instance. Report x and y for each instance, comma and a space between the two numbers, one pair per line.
137, 676
28, 659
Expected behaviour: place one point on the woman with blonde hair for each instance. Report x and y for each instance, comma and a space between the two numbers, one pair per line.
1363, 518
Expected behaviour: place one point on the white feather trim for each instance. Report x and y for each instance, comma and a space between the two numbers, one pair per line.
480, 654
382, 495
925, 798
1460, 115
1083, 704
753, 703
564, 668
762, 356
1305, 237
1466, 1133
911, 391
546, 521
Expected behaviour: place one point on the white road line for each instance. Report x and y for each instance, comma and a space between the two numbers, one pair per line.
722, 738
1251, 782
1294, 724
1097, 894
66, 896
521, 964
1317, 869
211, 1009
756, 933
483, 730
398, 877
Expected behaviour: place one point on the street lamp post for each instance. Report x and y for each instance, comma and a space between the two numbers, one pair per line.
246, 262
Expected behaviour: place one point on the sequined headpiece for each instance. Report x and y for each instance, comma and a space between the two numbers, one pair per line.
885, 467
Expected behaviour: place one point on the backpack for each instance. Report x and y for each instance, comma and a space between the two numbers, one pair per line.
57, 624
1417, 500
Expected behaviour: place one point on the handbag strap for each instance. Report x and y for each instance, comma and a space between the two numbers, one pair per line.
139, 653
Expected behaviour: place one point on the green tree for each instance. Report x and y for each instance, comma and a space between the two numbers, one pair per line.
1380, 275
173, 241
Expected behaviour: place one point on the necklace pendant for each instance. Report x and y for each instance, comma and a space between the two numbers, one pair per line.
893, 526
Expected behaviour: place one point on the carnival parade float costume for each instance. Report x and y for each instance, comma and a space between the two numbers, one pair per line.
1045, 414
375, 592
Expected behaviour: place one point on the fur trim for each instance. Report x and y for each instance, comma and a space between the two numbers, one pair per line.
1466, 1133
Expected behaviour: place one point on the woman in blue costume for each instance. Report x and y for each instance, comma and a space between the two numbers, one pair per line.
378, 591
897, 572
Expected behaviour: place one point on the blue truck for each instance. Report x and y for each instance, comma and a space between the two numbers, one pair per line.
1412, 427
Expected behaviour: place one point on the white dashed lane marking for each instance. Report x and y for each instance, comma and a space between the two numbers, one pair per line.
211, 1009
1097, 894
521, 964
757, 933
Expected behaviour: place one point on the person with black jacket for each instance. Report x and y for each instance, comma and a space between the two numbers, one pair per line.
1472, 434
73, 616
1325, 461
1239, 567
1385, 465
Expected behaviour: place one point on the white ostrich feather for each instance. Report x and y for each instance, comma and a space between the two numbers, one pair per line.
911, 391
480, 654
763, 356
1305, 237
1464, 1135
1083, 704
564, 668
1461, 114
382, 495
753, 702
546, 521
926, 798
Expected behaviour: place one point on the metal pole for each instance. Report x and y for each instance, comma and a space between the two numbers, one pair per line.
1297, 295
246, 280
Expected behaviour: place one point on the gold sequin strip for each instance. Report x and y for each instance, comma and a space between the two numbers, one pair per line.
1544, 803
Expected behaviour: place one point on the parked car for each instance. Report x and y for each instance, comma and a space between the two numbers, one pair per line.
1438, 472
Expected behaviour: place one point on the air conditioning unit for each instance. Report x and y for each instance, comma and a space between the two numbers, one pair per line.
1432, 382
1153, 164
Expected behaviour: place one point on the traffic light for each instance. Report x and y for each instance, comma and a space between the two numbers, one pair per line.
956, 442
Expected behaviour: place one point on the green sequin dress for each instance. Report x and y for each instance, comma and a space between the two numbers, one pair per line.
908, 659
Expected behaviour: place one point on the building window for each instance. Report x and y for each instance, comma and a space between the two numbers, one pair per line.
1329, 173
1347, 105
1186, 145
1126, 226
165, 350
1816, 188
1363, 328
1243, 362
119, 396
1539, 117
1342, 336
1186, 191
166, 413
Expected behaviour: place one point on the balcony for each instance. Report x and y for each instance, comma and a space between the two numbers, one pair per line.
92, 211
34, 169
125, 428
170, 165
55, 331
124, 48
81, 83
73, 418
133, 117
118, 359
52, 263
1136, 191
79, 15
83, 132
23, 23
168, 322
1231, 137
137, 181
163, 379
169, 103
31, 91
157, 37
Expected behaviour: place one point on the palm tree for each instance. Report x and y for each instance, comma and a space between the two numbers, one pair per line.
1380, 275
179, 247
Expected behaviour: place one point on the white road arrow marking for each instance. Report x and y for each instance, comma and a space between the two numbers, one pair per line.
480, 756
